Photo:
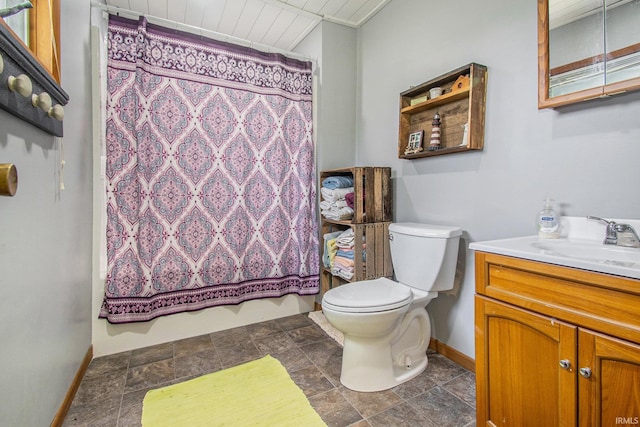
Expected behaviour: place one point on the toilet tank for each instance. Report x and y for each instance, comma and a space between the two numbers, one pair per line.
424, 256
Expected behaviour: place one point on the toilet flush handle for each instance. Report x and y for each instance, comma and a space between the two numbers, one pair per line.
390, 237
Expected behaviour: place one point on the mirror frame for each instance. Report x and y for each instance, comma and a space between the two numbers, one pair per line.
44, 35
544, 101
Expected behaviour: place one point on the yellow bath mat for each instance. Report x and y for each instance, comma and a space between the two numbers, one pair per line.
258, 393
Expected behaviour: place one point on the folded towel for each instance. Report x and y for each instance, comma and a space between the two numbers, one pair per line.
333, 250
333, 195
347, 242
349, 199
346, 239
325, 205
345, 253
329, 247
343, 263
345, 273
338, 214
338, 181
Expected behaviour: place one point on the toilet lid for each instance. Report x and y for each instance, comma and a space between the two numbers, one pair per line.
368, 296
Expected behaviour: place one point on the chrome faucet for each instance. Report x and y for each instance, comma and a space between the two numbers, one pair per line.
619, 234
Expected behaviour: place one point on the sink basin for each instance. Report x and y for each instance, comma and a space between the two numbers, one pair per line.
581, 246
592, 251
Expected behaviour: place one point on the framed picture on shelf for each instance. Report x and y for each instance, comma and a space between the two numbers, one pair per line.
414, 145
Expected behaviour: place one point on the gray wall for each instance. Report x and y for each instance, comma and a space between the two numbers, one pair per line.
45, 246
586, 157
335, 48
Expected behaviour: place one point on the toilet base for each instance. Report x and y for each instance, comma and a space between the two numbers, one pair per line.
376, 364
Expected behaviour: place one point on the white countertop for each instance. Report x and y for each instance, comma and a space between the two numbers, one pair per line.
580, 246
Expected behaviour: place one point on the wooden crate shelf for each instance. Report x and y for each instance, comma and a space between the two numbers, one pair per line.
377, 261
372, 193
370, 224
457, 106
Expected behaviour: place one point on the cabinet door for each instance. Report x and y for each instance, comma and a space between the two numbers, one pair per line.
519, 378
610, 390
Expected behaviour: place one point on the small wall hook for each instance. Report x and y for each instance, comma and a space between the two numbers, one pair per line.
8, 179
21, 84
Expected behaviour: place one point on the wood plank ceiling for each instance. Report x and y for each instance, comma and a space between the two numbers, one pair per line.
280, 24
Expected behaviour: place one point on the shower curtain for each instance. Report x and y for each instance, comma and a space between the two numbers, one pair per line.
210, 174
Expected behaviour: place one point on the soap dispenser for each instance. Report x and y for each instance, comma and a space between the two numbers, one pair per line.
548, 221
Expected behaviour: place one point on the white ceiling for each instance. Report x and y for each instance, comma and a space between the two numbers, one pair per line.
281, 24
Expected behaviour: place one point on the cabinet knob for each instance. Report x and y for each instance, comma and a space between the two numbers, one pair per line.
565, 364
585, 372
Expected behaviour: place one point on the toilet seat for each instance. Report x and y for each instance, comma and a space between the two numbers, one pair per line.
368, 296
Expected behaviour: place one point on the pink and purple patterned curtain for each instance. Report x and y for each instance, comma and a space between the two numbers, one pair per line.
210, 174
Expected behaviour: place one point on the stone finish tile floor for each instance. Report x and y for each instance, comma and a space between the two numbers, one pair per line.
114, 386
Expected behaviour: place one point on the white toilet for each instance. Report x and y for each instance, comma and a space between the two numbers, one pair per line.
385, 323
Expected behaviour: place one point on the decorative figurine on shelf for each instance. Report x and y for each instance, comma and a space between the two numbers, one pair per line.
434, 142
465, 135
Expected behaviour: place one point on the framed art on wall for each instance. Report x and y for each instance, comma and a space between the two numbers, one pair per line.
414, 145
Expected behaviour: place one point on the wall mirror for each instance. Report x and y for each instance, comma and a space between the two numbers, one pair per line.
30, 64
587, 49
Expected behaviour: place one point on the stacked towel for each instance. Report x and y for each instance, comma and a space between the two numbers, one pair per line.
343, 267
334, 204
337, 204
344, 259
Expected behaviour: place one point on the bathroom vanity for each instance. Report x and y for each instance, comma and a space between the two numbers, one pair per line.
556, 344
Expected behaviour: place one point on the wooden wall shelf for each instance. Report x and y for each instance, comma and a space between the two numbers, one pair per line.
457, 106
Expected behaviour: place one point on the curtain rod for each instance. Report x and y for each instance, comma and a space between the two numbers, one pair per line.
202, 31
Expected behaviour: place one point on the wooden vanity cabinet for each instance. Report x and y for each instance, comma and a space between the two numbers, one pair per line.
555, 346
610, 396
518, 379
